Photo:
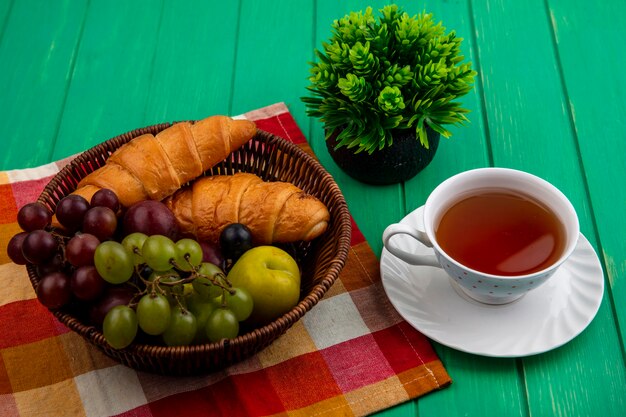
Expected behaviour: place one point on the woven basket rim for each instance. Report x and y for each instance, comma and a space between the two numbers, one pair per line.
341, 219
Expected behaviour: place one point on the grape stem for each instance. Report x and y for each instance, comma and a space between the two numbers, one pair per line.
195, 274
155, 286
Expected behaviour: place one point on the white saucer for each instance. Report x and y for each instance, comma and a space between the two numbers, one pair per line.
543, 319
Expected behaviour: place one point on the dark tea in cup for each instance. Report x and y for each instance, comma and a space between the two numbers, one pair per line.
501, 232
498, 233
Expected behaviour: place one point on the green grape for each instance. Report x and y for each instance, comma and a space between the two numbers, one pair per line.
158, 251
135, 241
169, 276
188, 289
222, 324
202, 309
120, 326
240, 303
153, 314
203, 285
182, 328
113, 262
192, 250
164, 275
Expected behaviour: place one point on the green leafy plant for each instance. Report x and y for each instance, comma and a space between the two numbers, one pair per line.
392, 72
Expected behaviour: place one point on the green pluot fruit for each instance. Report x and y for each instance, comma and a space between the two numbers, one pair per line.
272, 278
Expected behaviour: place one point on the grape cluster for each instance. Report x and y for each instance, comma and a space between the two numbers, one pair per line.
128, 272
184, 299
63, 258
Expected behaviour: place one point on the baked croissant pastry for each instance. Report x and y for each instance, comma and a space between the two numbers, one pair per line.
275, 212
153, 167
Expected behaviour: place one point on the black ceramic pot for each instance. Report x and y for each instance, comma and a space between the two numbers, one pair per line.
396, 163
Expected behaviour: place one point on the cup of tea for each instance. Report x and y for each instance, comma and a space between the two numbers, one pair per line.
497, 232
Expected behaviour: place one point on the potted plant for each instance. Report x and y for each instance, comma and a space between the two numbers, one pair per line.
385, 87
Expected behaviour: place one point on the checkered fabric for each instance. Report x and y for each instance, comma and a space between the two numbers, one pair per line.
352, 354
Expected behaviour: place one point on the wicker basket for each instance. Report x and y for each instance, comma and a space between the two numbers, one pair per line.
321, 260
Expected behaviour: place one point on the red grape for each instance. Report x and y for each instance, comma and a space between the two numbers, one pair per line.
80, 249
71, 210
100, 222
86, 283
39, 246
212, 254
151, 218
33, 216
53, 265
54, 290
113, 296
14, 248
105, 198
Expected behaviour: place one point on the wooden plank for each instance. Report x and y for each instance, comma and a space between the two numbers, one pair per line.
383, 205
37, 51
468, 148
598, 113
5, 11
530, 129
193, 68
111, 78
373, 207
272, 55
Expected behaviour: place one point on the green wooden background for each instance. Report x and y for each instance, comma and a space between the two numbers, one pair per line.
550, 99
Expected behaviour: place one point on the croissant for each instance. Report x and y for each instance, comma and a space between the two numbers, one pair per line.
273, 211
153, 167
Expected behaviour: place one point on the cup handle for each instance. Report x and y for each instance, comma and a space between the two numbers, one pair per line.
411, 258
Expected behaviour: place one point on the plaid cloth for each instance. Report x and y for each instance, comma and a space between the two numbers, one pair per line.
352, 354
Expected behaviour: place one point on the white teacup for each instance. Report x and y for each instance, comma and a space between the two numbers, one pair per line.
480, 286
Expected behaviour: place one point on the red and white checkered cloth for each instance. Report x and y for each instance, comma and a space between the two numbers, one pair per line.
352, 354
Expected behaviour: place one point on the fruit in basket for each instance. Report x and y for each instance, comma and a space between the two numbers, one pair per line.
100, 222
14, 248
33, 216
188, 254
71, 210
182, 328
153, 167
55, 264
86, 284
207, 275
201, 307
105, 198
114, 262
81, 248
153, 313
235, 240
54, 290
238, 300
221, 324
174, 292
113, 296
273, 211
133, 243
158, 252
120, 326
211, 253
272, 278
39, 246
150, 218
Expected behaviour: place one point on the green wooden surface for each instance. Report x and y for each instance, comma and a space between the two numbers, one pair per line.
550, 99
38, 54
